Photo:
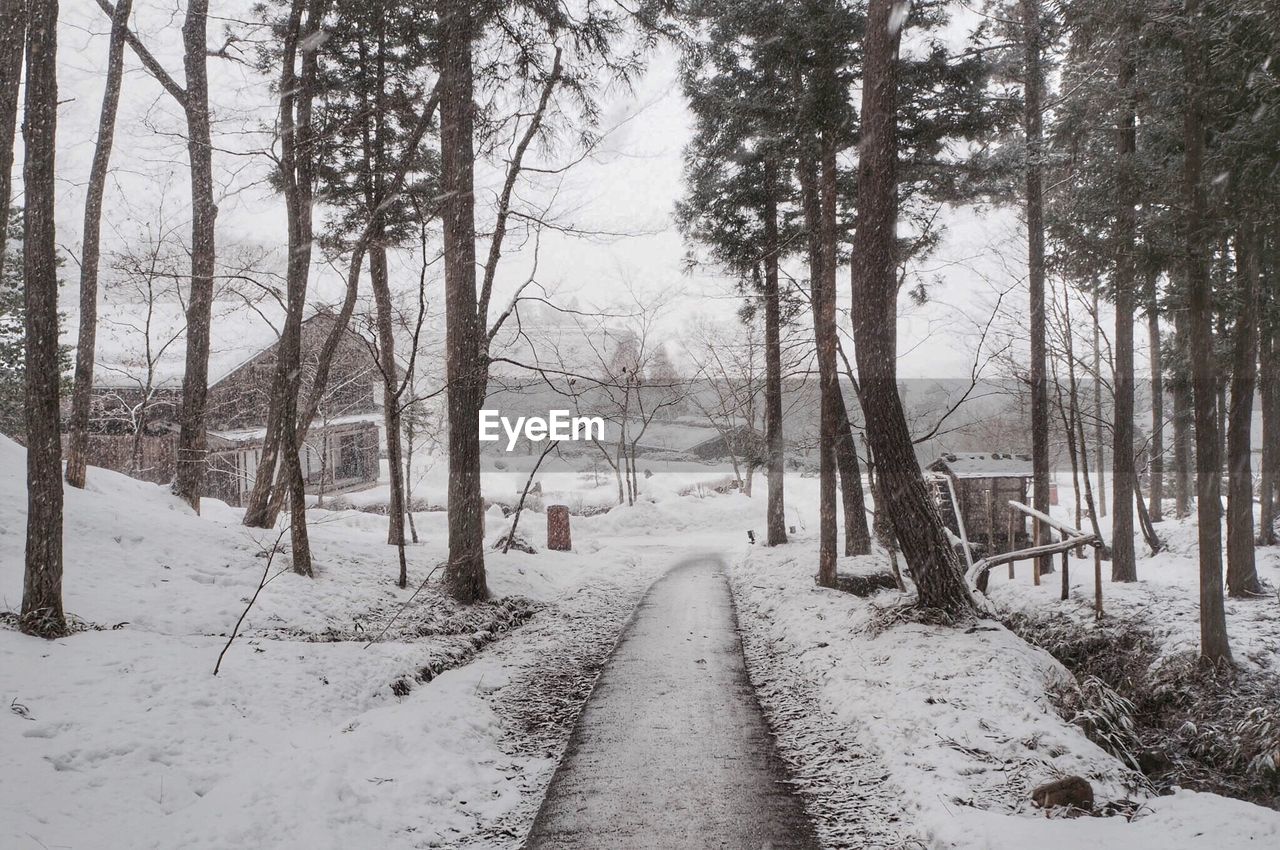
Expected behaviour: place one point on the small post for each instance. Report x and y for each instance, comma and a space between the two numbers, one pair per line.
558, 537
1097, 581
1035, 542
1066, 561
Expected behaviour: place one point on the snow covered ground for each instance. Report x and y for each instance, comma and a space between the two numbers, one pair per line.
120, 737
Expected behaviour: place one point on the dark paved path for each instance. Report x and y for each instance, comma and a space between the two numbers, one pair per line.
672, 751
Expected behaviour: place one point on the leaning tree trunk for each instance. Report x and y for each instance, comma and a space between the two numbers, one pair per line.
917, 526
191, 461
1242, 570
42, 613
1156, 466
82, 393
464, 366
1124, 565
1213, 621
13, 33
777, 514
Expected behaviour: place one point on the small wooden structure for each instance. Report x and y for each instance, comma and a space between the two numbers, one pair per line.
972, 492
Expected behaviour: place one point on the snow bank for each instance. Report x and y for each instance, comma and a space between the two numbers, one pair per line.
960, 720
122, 738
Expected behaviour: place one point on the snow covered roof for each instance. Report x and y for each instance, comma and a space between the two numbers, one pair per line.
981, 465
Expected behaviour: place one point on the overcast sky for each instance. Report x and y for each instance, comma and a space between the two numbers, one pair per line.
627, 188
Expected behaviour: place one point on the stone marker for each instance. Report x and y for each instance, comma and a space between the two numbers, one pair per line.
558, 537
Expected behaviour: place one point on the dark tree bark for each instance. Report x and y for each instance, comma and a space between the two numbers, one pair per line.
1182, 417
1213, 621
1032, 122
191, 460
390, 394
82, 393
814, 193
1097, 402
1124, 565
777, 514
1156, 466
1242, 571
465, 368
857, 537
42, 613
13, 34
917, 526
1269, 379
297, 181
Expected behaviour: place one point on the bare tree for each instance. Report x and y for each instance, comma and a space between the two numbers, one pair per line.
82, 392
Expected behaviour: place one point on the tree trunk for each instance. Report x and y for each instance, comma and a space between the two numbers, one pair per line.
1032, 123
917, 526
82, 393
1124, 565
777, 514
1097, 403
1270, 392
390, 393
13, 34
857, 538
42, 613
822, 304
1242, 571
1182, 423
464, 369
1156, 466
1213, 621
191, 460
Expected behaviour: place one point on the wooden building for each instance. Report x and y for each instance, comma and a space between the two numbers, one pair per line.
972, 493
134, 420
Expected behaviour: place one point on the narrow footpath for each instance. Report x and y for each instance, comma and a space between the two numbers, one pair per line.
672, 751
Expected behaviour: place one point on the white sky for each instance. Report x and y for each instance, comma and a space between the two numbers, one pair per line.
628, 187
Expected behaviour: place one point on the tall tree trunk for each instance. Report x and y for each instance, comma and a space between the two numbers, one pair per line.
82, 393
1032, 123
390, 393
191, 460
1124, 565
777, 513
1156, 466
13, 34
1097, 401
42, 613
464, 366
1242, 571
1213, 621
1270, 393
814, 192
1182, 417
917, 526
857, 537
